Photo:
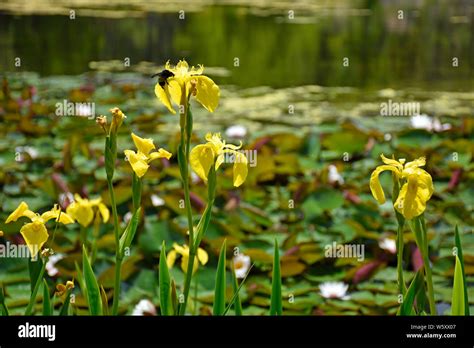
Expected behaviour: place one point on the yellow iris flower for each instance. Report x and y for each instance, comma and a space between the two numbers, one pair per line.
416, 190
140, 160
201, 257
35, 232
82, 210
203, 156
185, 82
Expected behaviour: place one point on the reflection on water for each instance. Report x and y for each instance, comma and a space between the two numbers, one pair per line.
382, 50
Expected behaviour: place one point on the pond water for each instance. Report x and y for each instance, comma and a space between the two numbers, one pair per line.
276, 47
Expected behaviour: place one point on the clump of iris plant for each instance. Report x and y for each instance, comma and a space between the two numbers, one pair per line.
412, 189
181, 84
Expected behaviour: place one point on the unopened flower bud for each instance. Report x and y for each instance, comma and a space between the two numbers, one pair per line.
117, 120
101, 121
61, 288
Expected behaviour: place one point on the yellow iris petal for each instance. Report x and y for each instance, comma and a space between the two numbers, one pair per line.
46, 216
425, 183
139, 163
207, 92
21, 210
164, 96
161, 153
181, 69
82, 212
78, 198
104, 212
201, 159
410, 206
94, 202
375, 186
240, 169
35, 235
65, 219
216, 142
182, 250
219, 160
419, 162
56, 213
392, 162
202, 256
143, 145
211, 137
414, 194
175, 89
171, 258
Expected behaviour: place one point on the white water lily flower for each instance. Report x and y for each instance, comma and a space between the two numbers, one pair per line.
428, 123
144, 307
334, 175
334, 290
388, 244
51, 264
241, 265
236, 131
31, 151
157, 201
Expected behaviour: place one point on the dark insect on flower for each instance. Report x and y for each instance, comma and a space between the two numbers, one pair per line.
163, 76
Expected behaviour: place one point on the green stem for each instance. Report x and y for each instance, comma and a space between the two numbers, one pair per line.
429, 281
401, 282
201, 228
195, 294
185, 145
118, 269
189, 212
118, 261
137, 192
39, 280
401, 223
426, 261
192, 248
